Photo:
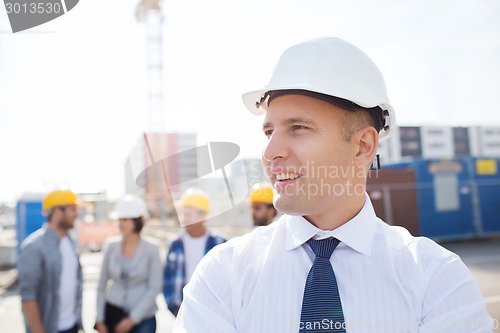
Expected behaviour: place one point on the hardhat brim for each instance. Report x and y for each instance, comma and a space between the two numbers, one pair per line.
250, 100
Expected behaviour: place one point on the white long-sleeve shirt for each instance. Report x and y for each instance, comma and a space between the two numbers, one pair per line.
389, 281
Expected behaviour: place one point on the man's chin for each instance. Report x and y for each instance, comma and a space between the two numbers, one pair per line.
288, 207
67, 226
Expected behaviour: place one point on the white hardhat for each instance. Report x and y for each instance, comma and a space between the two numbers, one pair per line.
130, 207
332, 67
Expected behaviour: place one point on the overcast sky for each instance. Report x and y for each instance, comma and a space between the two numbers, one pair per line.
73, 93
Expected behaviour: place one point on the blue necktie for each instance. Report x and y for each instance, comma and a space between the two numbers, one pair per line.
321, 306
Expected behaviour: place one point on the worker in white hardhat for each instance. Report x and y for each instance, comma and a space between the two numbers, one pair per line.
261, 204
131, 274
328, 264
189, 247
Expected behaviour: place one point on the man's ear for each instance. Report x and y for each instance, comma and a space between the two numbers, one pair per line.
366, 145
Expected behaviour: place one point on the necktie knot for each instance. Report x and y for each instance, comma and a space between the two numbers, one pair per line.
323, 248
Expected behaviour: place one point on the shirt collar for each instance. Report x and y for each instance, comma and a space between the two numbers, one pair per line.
51, 234
356, 233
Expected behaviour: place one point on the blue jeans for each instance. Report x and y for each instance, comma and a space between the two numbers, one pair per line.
145, 326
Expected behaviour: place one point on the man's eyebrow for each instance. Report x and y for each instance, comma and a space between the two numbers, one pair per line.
290, 121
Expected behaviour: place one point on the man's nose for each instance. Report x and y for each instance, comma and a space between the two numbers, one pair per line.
276, 148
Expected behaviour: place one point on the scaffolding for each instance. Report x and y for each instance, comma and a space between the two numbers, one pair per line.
149, 12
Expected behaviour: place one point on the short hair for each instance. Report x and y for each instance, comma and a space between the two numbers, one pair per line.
51, 211
138, 224
355, 120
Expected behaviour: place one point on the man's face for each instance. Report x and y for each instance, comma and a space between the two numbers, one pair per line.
191, 217
67, 217
307, 160
262, 214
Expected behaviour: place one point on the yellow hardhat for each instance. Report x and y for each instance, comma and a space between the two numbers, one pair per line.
59, 198
196, 200
262, 193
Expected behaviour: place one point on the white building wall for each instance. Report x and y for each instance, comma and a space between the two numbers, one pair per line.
484, 141
437, 142
389, 149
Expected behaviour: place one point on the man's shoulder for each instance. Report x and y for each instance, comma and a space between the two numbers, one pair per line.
249, 250
175, 241
254, 242
217, 238
422, 249
36, 238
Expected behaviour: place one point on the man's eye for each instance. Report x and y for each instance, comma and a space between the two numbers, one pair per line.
268, 133
298, 127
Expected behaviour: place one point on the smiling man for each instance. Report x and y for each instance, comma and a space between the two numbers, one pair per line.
328, 264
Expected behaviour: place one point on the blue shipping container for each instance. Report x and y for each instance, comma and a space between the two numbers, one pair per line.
457, 199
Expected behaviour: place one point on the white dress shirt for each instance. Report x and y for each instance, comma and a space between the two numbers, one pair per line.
389, 281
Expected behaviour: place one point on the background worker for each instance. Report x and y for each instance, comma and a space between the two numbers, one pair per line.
187, 249
329, 264
50, 275
261, 202
130, 276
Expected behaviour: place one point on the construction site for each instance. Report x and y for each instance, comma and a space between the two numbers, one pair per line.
438, 179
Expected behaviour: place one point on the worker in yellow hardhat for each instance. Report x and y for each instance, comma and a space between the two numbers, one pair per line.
261, 201
49, 270
195, 207
187, 249
58, 199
